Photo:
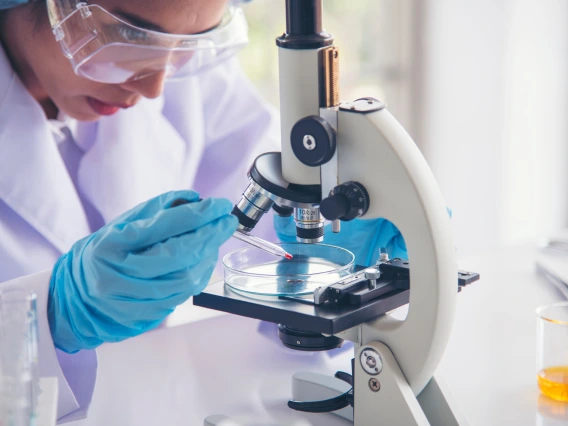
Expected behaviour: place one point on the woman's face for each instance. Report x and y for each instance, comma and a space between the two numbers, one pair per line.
50, 73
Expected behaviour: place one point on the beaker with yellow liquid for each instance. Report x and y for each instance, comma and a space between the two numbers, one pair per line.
552, 351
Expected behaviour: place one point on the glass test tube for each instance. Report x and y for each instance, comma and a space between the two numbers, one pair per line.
18, 358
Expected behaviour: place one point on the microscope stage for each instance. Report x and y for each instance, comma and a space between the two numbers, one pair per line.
302, 315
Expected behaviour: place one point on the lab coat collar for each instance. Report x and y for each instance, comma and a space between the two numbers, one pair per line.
141, 153
34, 181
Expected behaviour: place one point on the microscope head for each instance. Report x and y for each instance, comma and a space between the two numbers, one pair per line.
303, 179
267, 189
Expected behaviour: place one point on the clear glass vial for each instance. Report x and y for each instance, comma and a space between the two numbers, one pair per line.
552, 350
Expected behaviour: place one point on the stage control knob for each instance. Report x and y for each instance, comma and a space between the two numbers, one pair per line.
345, 202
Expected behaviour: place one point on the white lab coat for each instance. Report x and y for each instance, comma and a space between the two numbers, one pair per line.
60, 181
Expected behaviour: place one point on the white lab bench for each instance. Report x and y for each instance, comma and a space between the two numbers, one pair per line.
221, 364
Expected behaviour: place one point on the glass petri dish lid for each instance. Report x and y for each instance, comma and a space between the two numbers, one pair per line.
255, 271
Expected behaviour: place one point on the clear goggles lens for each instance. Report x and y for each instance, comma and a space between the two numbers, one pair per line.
104, 48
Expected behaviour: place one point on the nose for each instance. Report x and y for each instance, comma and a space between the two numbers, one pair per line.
150, 86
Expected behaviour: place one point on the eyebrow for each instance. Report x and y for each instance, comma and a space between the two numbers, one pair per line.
138, 21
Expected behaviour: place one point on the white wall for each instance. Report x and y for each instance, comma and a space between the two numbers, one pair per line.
493, 78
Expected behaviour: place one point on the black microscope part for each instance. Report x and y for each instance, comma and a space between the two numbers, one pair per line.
328, 405
301, 315
344, 377
400, 268
309, 233
283, 211
304, 27
307, 341
360, 307
266, 171
335, 207
323, 146
243, 218
304, 17
346, 202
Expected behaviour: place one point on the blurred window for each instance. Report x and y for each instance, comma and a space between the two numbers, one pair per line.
374, 41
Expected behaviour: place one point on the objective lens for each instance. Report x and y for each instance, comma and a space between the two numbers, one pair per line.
251, 207
309, 225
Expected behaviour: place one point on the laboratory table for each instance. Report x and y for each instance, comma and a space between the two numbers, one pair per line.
202, 363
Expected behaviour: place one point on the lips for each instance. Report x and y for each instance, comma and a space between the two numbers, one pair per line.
103, 108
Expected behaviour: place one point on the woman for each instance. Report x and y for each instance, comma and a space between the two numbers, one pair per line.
91, 124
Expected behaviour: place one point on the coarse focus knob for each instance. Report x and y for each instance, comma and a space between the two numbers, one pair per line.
313, 141
345, 202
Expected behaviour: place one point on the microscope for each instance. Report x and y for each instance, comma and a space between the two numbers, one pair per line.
341, 161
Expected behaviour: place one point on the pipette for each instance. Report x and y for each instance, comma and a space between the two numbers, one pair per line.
262, 244
248, 238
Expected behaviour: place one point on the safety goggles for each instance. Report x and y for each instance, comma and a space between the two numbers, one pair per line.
104, 48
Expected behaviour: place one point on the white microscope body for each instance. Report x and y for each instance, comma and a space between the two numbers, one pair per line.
374, 150
394, 361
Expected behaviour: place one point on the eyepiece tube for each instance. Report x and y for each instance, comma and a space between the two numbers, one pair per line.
304, 17
251, 207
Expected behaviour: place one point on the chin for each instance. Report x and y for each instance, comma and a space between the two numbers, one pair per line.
82, 115
76, 108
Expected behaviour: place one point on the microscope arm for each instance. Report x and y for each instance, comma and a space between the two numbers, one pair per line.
375, 150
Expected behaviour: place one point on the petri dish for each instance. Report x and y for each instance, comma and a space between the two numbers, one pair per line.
255, 271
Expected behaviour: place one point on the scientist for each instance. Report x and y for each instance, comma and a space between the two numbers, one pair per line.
96, 118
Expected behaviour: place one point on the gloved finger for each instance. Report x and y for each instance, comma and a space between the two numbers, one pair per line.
285, 228
140, 234
149, 208
363, 237
193, 281
152, 299
180, 252
396, 246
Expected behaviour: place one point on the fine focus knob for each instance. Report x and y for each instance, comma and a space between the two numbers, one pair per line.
345, 202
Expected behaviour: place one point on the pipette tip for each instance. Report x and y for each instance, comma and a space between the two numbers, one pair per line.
288, 256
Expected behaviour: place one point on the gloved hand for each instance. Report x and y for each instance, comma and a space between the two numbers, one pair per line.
363, 237
128, 276
7, 4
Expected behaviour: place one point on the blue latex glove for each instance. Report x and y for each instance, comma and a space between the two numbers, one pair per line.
363, 237
7, 4
128, 276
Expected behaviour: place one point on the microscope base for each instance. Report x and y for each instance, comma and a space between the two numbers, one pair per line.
439, 405
395, 403
435, 400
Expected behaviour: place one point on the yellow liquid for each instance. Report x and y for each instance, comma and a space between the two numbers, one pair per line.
553, 382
